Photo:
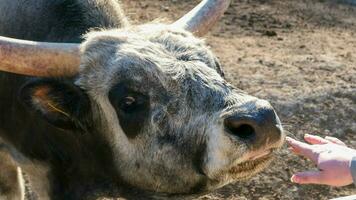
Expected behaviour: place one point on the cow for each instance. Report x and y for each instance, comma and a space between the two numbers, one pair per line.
95, 106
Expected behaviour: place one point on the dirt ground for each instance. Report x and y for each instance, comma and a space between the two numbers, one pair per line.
298, 54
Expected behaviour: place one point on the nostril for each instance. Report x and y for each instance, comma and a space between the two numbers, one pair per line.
243, 131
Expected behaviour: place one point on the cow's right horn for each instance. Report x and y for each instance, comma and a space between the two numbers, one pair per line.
39, 58
203, 17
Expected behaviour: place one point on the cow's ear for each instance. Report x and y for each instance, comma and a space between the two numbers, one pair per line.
61, 103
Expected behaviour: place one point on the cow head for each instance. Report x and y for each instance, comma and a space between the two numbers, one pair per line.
157, 95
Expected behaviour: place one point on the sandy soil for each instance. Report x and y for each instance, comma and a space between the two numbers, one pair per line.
299, 55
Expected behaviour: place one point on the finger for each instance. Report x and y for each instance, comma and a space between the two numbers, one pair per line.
308, 177
335, 140
314, 139
303, 149
293, 150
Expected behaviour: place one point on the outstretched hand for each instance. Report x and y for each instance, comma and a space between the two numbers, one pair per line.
331, 156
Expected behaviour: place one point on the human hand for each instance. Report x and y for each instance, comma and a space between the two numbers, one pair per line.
331, 156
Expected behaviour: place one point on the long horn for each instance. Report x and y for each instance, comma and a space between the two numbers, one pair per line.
39, 58
203, 17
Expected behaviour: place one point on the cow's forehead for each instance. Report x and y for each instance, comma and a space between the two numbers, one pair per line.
149, 54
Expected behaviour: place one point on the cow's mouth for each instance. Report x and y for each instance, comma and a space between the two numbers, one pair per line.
251, 166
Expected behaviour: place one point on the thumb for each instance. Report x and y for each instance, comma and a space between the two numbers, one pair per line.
308, 177
335, 140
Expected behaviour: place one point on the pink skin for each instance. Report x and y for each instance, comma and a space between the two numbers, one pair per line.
331, 156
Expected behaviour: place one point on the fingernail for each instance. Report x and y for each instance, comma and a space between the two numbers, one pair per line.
307, 135
289, 140
294, 179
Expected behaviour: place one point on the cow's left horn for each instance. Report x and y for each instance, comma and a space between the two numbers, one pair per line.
38, 58
203, 17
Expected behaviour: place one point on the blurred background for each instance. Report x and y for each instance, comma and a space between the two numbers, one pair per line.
298, 54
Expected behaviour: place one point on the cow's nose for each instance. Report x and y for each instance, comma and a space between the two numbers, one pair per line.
256, 123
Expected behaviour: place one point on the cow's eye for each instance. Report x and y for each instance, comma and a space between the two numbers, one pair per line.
129, 101
132, 108
128, 104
